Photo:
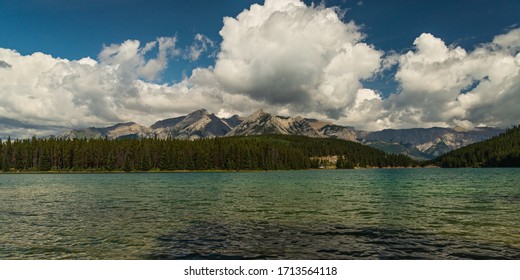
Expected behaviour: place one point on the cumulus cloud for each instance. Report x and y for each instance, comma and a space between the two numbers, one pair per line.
447, 85
10, 127
201, 45
509, 40
46, 91
285, 53
130, 57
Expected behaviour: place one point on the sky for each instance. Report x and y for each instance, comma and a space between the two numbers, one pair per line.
368, 64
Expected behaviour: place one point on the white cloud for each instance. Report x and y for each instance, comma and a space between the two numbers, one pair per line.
201, 45
446, 85
285, 53
41, 90
509, 40
130, 57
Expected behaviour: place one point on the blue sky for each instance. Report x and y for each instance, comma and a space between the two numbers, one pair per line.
74, 30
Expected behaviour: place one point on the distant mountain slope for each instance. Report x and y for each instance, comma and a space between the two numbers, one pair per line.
418, 143
196, 125
179, 127
121, 130
500, 151
396, 148
233, 121
432, 142
317, 124
207, 126
260, 123
339, 132
167, 122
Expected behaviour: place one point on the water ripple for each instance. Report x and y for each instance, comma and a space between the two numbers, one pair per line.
211, 240
341, 214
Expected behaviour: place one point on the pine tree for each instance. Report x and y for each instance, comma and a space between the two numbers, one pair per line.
8, 153
128, 164
44, 161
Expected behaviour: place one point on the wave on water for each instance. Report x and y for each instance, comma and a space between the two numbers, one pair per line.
214, 240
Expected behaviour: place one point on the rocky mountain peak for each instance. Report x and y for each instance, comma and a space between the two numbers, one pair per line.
129, 129
200, 112
261, 122
257, 114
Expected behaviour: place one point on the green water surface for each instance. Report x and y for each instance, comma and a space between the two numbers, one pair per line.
335, 214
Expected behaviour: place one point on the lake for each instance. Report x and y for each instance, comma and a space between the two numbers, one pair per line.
316, 214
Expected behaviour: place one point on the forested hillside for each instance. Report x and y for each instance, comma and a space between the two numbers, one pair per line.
267, 152
499, 151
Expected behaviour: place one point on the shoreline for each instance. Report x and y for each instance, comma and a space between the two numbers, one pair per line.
218, 171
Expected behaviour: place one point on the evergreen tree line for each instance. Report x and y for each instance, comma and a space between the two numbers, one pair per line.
500, 151
230, 153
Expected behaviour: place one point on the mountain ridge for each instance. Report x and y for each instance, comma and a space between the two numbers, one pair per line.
419, 143
499, 151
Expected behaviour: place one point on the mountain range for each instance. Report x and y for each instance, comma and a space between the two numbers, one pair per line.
418, 143
500, 151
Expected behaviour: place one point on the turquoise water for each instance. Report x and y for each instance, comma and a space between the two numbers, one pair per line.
336, 214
